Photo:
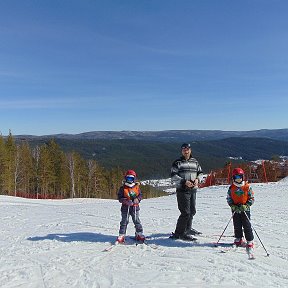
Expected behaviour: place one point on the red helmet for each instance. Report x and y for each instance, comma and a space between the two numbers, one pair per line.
237, 171
131, 173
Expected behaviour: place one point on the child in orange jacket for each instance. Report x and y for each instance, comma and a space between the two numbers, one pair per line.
240, 197
130, 195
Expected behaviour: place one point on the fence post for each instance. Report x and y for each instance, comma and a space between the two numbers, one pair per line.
265, 176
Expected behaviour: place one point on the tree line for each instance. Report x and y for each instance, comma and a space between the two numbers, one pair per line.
45, 171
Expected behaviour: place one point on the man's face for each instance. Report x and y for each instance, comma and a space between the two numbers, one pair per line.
186, 152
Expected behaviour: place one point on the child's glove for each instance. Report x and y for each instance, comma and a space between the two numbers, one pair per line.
127, 202
235, 208
136, 201
244, 207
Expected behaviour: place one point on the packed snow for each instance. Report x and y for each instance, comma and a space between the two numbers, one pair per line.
60, 243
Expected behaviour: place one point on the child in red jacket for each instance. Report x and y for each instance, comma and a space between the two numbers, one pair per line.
130, 195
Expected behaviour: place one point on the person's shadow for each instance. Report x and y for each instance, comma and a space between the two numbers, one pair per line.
162, 239
159, 239
77, 236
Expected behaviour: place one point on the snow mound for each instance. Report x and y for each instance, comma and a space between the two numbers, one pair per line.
284, 180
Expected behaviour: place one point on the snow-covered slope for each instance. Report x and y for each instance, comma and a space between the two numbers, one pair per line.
60, 243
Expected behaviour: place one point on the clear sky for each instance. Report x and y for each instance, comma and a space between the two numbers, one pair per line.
70, 66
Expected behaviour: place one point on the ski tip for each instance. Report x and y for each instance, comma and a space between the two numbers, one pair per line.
222, 244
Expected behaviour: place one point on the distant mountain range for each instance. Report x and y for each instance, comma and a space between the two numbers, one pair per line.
152, 153
168, 135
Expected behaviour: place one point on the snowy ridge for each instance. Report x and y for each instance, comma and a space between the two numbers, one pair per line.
60, 243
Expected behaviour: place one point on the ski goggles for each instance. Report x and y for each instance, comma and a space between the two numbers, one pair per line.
129, 179
238, 177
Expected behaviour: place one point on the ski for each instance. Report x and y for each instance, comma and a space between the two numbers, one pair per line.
138, 242
223, 244
111, 246
153, 246
251, 256
250, 253
227, 247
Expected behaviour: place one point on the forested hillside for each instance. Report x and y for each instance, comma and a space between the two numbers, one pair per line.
153, 159
44, 170
86, 168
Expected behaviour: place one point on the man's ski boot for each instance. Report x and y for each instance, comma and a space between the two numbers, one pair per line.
185, 237
193, 231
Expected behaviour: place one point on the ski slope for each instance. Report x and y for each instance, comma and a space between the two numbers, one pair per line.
60, 243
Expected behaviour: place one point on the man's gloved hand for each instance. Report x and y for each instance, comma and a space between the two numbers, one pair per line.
189, 184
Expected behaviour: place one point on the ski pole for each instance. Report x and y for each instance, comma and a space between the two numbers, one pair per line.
256, 233
225, 228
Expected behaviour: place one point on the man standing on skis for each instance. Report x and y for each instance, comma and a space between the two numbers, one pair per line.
186, 173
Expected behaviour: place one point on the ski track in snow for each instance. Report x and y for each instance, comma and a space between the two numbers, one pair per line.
60, 243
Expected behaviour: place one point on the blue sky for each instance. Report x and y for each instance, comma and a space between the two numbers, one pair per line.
70, 66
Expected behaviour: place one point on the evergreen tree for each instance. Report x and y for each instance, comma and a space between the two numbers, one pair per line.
58, 159
9, 160
46, 172
2, 163
26, 169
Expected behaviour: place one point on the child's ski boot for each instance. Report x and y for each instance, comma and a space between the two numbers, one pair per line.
250, 249
139, 236
120, 239
239, 242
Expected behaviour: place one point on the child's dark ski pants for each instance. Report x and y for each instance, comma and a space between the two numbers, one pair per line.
241, 222
134, 212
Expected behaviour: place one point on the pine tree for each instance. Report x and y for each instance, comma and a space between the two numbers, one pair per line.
26, 168
9, 160
58, 160
46, 172
2, 163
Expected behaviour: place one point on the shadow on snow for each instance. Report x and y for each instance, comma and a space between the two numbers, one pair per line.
159, 239
79, 237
